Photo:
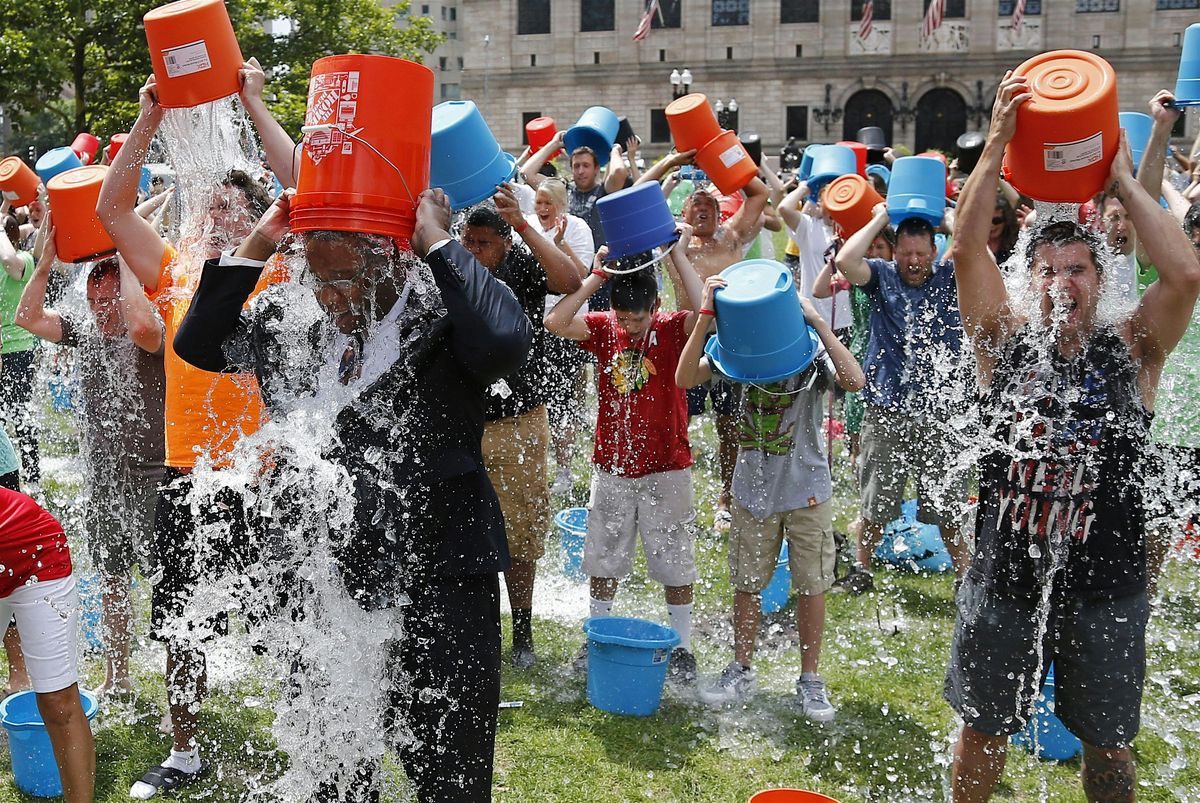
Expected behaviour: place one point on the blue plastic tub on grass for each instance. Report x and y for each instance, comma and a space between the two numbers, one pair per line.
34, 768
775, 595
572, 530
627, 664
1054, 741
909, 544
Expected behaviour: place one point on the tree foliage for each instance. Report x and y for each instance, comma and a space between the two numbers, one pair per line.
76, 65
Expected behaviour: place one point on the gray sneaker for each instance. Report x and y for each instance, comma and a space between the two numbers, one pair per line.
735, 682
815, 698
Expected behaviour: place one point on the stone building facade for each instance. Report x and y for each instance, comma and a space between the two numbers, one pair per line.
447, 61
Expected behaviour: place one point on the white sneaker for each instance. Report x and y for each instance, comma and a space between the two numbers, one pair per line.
735, 682
562, 481
815, 698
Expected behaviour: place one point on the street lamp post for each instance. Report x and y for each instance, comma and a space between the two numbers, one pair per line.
681, 82
727, 114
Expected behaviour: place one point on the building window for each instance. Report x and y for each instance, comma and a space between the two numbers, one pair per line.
799, 51
425, 10
659, 130
450, 92
442, 62
951, 9
670, 12
460, 62
730, 12
453, 13
799, 11
533, 59
796, 123
452, 35
729, 54
882, 10
595, 57
662, 54
525, 118
596, 15
1096, 6
443, 13
533, 16
1171, 5
1033, 8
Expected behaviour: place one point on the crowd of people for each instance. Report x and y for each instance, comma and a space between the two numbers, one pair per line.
1005, 365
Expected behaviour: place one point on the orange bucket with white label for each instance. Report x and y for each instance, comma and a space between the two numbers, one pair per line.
365, 155
727, 163
194, 52
18, 183
1069, 131
78, 235
849, 200
692, 121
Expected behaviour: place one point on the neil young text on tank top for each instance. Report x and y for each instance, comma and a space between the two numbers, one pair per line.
1063, 464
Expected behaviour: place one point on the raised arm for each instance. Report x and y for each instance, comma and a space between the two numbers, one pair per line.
791, 208
1150, 171
847, 372
693, 368
561, 273
32, 315
14, 263
134, 236
982, 297
277, 145
616, 173
530, 170
142, 322
666, 165
688, 279
564, 319
631, 150
851, 259
747, 221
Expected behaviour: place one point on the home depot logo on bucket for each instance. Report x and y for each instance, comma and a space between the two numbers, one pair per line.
332, 98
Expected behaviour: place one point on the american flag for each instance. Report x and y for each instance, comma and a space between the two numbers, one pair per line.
868, 14
643, 28
933, 18
1018, 15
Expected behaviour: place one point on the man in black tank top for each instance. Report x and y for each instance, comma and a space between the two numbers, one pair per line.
1066, 399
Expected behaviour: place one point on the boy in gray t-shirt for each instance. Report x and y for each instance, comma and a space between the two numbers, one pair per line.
781, 488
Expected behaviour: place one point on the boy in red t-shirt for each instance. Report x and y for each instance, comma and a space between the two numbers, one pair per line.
642, 481
37, 587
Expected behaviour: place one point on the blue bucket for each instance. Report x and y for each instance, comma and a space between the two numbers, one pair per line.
61, 397
627, 664
805, 169
761, 332
572, 525
880, 170
636, 219
917, 189
909, 544
90, 605
1137, 130
34, 768
1187, 86
1054, 741
465, 160
55, 161
597, 129
828, 163
775, 595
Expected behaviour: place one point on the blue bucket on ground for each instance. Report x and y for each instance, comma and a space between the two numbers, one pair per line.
1187, 86
597, 129
1137, 130
61, 397
635, 220
55, 161
572, 525
775, 595
465, 160
627, 664
828, 163
917, 189
90, 605
909, 544
34, 768
761, 332
1054, 741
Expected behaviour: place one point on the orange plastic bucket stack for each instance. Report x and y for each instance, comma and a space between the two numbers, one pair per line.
692, 122
1068, 132
366, 146
78, 235
719, 153
849, 201
18, 183
194, 51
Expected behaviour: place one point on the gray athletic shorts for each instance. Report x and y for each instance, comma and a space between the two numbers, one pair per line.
119, 516
1098, 647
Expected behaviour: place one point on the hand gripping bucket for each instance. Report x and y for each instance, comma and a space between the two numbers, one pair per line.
692, 121
917, 189
464, 158
1137, 131
539, 131
1187, 86
1066, 133
78, 235
194, 52
86, 146
860, 155
849, 201
775, 595
761, 332
627, 664
34, 768
363, 165
572, 531
635, 220
18, 183
596, 128
789, 796
55, 161
829, 162
1054, 741
727, 164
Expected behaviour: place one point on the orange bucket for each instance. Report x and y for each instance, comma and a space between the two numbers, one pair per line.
692, 122
849, 201
78, 235
114, 144
726, 163
790, 796
86, 146
1068, 132
364, 165
539, 131
18, 182
194, 52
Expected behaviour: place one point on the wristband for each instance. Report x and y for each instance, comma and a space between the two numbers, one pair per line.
600, 274
705, 311
520, 229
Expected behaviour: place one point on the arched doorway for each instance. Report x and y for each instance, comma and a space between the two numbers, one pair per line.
941, 119
867, 107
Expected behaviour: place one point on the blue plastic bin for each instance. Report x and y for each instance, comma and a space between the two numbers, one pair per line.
627, 664
1054, 741
34, 768
572, 530
909, 544
775, 595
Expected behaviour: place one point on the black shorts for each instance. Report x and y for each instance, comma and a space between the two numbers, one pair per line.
1098, 646
194, 550
726, 396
